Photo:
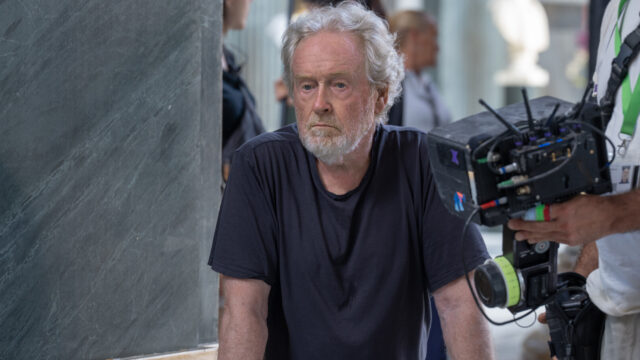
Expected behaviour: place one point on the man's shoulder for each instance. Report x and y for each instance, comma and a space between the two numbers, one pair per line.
269, 155
403, 146
403, 135
280, 139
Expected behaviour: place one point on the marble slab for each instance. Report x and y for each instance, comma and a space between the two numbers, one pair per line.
109, 176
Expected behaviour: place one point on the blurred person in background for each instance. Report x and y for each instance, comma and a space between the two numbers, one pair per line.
420, 105
240, 121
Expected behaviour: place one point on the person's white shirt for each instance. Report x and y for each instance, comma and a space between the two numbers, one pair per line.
615, 286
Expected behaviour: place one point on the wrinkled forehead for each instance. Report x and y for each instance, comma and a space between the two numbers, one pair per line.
329, 49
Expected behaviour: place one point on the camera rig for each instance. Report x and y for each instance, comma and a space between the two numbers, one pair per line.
489, 175
511, 163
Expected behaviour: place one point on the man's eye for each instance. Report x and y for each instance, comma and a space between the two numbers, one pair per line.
306, 87
341, 85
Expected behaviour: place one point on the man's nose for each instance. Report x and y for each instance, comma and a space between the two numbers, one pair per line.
321, 104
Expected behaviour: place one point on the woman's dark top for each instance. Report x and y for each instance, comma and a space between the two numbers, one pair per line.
240, 121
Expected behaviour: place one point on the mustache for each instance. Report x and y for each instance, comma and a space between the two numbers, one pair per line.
314, 120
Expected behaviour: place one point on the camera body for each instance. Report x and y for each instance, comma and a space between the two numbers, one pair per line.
464, 174
497, 171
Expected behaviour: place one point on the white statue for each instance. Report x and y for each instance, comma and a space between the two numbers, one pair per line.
525, 27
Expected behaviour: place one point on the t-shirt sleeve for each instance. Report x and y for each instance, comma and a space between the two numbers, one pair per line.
442, 243
244, 243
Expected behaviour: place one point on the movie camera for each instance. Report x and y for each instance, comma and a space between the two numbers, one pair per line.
512, 163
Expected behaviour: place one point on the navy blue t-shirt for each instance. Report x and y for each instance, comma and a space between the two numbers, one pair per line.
350, 274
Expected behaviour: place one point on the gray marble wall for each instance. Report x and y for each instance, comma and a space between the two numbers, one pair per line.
109, 176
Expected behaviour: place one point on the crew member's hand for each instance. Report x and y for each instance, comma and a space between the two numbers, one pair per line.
580, 220
542, 318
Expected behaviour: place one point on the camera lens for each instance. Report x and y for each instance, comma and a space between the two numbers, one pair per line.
497, 283
490, 285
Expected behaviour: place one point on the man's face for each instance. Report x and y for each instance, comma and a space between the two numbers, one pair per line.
334, 102
426, 45
236, 13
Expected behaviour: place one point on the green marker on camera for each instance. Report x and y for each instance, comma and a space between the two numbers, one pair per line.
538, 213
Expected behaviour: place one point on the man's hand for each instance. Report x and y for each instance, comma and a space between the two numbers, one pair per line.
580, 220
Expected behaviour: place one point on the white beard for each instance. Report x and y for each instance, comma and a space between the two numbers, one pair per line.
330, 148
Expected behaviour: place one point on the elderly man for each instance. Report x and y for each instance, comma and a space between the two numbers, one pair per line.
314, 265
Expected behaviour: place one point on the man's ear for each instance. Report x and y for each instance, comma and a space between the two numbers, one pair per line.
382, 96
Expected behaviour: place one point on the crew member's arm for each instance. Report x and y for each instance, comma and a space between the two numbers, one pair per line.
465, 330
583, 219
243, 326
587, 260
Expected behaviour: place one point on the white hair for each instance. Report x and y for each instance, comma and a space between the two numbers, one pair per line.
383, 65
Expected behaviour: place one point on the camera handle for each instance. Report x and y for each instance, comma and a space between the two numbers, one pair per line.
537, 268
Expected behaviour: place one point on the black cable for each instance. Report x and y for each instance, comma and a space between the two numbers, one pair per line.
561, 165
490, 164
485, 143
601, 133
535, 317
548, 172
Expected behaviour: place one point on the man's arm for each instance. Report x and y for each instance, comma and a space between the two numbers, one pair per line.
243, 326
587, 260
583, 219
465, 330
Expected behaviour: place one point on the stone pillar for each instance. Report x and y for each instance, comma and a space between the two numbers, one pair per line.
110, 136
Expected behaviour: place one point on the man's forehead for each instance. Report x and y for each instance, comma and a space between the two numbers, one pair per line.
349, 43
428, 26
329, 52
329, 75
